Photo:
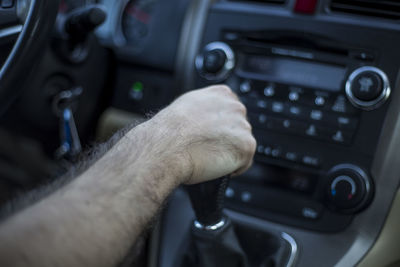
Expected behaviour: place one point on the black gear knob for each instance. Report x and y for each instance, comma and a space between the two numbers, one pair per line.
208, 200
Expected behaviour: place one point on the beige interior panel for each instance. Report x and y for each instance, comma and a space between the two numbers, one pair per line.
386, 251
113, 120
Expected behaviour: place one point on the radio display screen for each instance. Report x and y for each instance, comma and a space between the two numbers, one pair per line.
297, 72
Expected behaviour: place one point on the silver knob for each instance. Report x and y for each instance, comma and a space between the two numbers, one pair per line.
368, 88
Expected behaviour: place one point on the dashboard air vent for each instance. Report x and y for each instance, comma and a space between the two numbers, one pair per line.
389, 9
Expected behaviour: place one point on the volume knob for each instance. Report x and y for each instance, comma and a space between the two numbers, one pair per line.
368, 88
215, 62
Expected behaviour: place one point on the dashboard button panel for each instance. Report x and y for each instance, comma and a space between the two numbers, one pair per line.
304, 118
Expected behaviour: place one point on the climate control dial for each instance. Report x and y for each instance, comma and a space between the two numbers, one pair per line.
368, 88
348, 189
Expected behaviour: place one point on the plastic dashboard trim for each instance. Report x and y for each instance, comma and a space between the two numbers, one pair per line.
365, 229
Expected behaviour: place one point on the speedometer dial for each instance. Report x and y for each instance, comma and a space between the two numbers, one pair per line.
135, 21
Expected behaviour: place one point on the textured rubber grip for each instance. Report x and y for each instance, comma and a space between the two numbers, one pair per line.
208, 200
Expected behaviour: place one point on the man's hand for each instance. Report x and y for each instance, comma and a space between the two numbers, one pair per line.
93, 220
209, 131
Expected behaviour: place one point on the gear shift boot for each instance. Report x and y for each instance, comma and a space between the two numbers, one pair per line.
215, 242
235, 245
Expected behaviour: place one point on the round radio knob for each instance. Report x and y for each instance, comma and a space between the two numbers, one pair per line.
348, 189
215, 62
368, 88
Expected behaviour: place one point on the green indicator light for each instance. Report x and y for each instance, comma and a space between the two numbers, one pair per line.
137, 87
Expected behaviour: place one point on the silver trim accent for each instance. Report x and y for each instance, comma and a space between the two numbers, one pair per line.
347, 179
373, 104
213, 227
228, 66
10, 31
358, 170
293, 249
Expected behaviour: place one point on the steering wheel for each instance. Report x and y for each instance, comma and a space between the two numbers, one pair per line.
25, 25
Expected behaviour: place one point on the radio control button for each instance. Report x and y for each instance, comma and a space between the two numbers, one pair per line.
267, 151
276, 152
338, 137
316, 115
341, 122
245, 87
262, 104
296, 111
269, 90
262, 119
346, 122
277, 107
320, 101
310, 213
246, 196
214, 60
312, 130
341, 105
311, 161
291, 156
294, 96
364, 56
287, 124
341, 137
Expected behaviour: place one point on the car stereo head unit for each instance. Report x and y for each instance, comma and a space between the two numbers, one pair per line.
316, 107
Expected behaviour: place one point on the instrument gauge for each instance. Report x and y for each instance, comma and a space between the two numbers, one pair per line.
69, 5
135, 20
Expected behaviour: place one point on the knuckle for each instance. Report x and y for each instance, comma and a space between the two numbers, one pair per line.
248, 125
226, 88
222, 88
242, 108
244, 124
248, 147
251, 146
238, 106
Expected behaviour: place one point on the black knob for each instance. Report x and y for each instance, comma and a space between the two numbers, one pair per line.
368, 88
208, 200
214, 60
348, 189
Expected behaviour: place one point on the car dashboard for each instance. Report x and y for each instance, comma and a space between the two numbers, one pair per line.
306, 75
319, 79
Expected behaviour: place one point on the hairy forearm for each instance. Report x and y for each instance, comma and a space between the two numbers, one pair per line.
94, 219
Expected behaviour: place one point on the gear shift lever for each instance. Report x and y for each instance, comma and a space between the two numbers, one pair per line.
207, 201
214, 242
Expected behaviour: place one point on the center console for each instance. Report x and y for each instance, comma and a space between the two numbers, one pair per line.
322, 96
317, 102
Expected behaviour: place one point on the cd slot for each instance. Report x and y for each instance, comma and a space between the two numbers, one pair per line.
294, 45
